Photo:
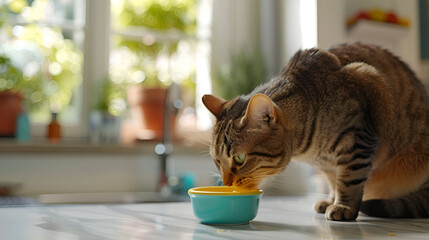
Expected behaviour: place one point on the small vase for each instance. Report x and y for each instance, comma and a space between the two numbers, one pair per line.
10, 108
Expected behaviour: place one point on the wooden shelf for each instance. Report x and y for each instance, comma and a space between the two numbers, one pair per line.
84, 146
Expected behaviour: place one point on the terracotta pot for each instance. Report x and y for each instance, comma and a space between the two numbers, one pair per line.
10, 108
147, 111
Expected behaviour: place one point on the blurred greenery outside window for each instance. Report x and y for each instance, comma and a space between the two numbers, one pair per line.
154, 43
42, 41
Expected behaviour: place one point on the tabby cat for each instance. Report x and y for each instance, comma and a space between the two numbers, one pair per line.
356, 112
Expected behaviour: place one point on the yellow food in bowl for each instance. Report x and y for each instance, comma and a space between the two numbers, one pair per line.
222, 190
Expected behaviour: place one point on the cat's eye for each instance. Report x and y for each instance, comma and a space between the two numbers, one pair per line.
239, 159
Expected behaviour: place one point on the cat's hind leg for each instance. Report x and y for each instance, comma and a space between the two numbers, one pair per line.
414, 205
400, 188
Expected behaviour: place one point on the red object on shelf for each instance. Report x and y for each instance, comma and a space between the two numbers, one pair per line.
378, 15
392, 18
362, 15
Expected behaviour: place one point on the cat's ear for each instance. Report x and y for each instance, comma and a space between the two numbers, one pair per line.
214, 104
260, 111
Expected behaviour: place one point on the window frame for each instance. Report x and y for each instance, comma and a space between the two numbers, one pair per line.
203, 54
96, 50
78, 129
98, 30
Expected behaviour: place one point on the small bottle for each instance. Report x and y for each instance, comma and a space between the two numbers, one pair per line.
54, 129
22, 132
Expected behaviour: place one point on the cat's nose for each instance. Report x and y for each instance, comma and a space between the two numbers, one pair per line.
227, 179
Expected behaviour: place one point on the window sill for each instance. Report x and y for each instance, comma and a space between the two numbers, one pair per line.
78, 145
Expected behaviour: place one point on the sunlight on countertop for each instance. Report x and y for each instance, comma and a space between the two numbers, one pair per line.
278, 218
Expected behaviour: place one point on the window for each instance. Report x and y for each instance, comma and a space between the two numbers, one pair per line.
67, 50
155, 43
43, 40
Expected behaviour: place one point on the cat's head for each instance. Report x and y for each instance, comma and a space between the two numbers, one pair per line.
249, 139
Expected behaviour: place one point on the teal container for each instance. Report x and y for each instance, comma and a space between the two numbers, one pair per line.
22, 132
225, 205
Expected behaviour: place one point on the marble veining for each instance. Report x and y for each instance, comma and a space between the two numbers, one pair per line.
278, 218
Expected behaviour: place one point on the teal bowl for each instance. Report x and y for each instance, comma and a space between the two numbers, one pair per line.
225, 205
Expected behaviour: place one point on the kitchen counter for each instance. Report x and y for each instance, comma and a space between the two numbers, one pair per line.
278, 218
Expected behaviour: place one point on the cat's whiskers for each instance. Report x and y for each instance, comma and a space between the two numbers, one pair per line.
217, 176
205, 142
199, 139
202, 154
214, 174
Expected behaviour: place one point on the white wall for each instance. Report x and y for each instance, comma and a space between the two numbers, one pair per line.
270, 34
235, 27
56, 173
332, 29
298, 27
411, 43
331, 21
44, 173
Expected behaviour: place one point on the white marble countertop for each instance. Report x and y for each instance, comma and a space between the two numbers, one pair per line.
278, 218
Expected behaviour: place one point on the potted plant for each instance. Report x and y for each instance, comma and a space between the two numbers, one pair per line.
10, 108
145, 65
147, 108
10, 97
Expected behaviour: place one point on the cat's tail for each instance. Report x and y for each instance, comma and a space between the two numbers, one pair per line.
414, 205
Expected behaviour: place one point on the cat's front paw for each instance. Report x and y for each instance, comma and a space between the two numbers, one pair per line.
321, 206
338, 212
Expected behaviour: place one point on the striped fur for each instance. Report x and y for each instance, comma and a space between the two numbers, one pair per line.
355, 111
